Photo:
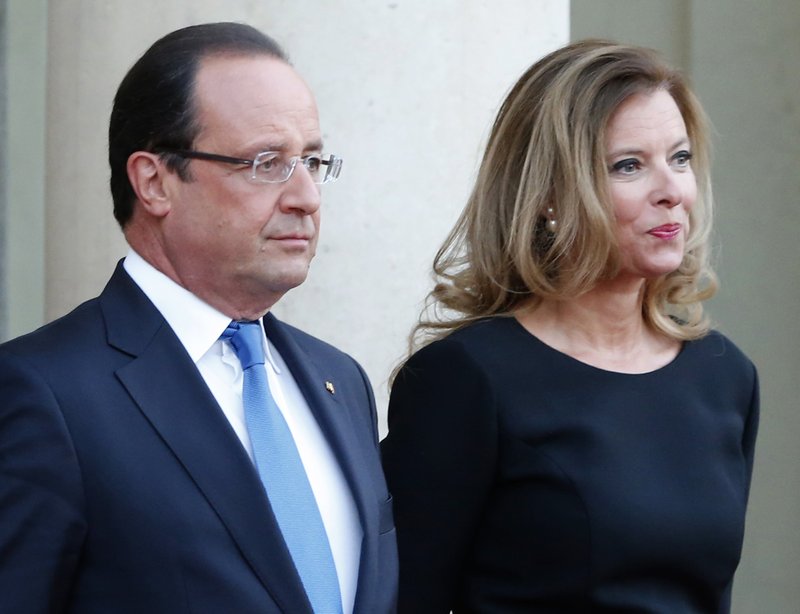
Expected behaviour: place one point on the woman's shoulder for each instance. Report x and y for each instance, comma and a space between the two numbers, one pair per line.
486, 350
717, 345
718, 354
488, 331
482, 338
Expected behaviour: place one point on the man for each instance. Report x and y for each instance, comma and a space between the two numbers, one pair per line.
158, 451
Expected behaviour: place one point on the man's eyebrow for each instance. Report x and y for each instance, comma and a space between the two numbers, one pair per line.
313, 145
272, 146
282, 146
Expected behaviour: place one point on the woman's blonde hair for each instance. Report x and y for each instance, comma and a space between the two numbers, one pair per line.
547, 150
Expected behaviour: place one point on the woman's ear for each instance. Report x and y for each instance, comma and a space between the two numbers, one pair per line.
147, 172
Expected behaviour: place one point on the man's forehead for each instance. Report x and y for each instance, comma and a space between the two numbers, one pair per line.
257, 81
260, 94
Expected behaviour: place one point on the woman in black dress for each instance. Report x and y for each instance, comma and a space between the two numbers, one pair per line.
571, 436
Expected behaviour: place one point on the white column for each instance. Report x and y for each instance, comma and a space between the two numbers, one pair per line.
23, 247
407, 91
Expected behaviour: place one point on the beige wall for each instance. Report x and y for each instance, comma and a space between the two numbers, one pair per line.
743, 58
22, 182
406, 90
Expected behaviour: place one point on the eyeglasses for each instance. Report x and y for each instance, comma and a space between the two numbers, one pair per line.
271, 167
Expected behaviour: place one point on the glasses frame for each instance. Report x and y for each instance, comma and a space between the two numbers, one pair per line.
334, 163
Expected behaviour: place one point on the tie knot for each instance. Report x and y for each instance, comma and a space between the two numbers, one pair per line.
245, 337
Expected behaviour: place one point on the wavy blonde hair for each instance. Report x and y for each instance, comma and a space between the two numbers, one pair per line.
547, 149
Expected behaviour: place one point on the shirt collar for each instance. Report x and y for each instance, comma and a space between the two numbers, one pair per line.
197, 324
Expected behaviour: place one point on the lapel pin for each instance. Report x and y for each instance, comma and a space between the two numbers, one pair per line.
329, 387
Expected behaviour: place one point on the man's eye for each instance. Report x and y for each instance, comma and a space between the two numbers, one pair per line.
312, 163
268, 165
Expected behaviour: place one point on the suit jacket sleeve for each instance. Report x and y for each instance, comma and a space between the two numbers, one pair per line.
42, 522
439, 458
370, 403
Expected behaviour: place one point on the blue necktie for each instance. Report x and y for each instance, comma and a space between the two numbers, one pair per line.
283, 475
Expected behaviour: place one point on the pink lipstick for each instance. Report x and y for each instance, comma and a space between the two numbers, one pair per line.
665, 231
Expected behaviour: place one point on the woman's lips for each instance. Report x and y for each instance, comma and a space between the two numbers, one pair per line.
665, 231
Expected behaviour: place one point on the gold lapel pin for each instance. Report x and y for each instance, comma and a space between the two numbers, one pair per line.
329, 387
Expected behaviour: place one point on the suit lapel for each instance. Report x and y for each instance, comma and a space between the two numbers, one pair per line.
168, 389
335, 421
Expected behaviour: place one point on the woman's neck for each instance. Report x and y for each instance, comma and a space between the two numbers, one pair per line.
604, 327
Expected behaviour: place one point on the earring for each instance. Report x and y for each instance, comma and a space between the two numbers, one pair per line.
552, 224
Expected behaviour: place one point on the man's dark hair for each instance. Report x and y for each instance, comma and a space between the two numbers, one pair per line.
154, 106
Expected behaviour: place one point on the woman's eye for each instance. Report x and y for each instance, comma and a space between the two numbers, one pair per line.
626, 167
682, 158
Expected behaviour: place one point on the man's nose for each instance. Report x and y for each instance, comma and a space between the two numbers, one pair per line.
300, 193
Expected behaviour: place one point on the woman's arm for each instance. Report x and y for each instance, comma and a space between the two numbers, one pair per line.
439, 458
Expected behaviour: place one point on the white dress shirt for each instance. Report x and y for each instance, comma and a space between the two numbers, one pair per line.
199, 326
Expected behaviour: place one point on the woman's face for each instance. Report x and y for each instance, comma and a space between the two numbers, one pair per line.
651, 183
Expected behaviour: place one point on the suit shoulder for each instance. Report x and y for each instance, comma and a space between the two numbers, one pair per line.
65, 334
325, 356
313, 344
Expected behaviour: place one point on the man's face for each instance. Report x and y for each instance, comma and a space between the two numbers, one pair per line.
236, 244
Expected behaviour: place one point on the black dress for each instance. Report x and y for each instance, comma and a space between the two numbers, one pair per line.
527, 481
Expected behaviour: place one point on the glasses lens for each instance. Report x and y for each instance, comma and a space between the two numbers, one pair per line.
269, 167
329, 168
334, 168
315, 168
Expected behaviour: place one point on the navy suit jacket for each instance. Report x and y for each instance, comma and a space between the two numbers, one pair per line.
123, 488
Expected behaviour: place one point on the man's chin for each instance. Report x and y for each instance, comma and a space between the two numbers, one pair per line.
289, 279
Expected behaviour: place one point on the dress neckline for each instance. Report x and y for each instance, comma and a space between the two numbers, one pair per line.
566, 357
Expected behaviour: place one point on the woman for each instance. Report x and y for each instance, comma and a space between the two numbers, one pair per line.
572, 437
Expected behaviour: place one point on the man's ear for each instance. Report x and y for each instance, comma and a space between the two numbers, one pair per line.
147, 173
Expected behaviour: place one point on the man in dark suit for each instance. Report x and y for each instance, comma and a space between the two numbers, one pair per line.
136, 462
